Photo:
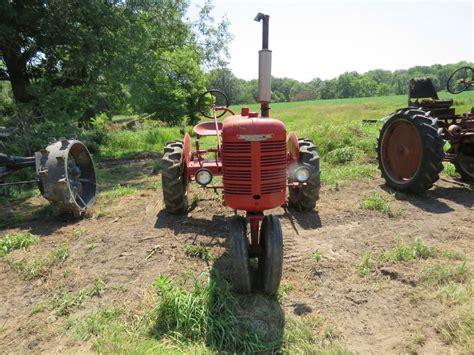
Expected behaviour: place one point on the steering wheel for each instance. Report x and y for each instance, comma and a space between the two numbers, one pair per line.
460, 80
211, 100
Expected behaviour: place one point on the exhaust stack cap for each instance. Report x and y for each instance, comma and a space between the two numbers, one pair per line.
264, 66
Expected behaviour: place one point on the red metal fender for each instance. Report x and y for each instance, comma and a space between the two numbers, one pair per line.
187, 148
293, 146
186, 155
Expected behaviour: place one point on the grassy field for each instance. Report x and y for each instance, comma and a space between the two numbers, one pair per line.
345, 144
192, 310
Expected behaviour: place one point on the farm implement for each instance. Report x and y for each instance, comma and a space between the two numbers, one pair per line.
257, 161
411, 145
65, 174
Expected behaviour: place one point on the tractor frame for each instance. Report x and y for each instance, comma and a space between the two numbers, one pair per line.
257, 161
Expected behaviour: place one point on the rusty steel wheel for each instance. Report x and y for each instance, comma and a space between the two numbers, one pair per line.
66, 176
410, 151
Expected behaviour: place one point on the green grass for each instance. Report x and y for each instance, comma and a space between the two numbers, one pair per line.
366, 264
317, 255
445, 274
19, 214
458, 330
401, 252
125, 143
206, 317
120, 190
38, 267
12, 241
63, 302
198, 251
377, 202
345, 144
454, 293
95, 324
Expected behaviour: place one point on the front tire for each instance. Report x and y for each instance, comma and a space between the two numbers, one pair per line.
304, 197
270, 263
174, 183
241, 280
410, 151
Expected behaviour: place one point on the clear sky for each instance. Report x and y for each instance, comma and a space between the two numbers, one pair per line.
323, 39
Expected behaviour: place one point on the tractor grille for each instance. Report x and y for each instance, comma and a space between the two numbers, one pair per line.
237, 163
273, 166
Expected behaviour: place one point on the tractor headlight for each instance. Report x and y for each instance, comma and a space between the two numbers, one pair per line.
203, 177
302, 174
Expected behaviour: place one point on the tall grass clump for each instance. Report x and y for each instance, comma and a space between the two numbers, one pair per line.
329, 137
206, 313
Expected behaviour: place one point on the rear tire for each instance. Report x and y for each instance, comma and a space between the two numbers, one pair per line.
270, 263
174, 183
410, 151
466, 170
241, 280
304, 197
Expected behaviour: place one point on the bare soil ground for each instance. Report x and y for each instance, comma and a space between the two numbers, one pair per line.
130, 240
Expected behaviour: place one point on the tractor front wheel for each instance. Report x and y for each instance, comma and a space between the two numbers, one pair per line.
270, 263
465, 167
174, 182
304, 197
410, 151
241, 281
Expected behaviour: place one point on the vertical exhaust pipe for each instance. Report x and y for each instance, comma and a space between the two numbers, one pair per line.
264, 68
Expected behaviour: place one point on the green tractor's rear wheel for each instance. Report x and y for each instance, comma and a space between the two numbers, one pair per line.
304, 197
174, 181
241, 280
410, 151
465, 167
270, 263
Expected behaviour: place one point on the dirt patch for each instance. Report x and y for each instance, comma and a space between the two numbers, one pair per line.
136, 241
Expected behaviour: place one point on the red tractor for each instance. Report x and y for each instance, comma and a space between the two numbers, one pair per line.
257, 161
412, 140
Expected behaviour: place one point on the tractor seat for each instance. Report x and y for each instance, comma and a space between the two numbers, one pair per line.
207, 128
429, 103
423, 88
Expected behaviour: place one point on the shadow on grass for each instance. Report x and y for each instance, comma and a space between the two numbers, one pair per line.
233, 323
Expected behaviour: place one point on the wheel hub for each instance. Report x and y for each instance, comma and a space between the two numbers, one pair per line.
402, 150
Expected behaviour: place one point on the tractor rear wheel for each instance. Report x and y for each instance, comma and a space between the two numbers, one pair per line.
241, 281
466, 168
174, 183
410, 151
270, 263
304, 197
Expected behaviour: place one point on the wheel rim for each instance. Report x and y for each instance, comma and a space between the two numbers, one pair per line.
401, 151
81, 176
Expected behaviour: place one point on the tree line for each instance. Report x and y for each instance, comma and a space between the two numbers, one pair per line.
376, 82
65, 62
